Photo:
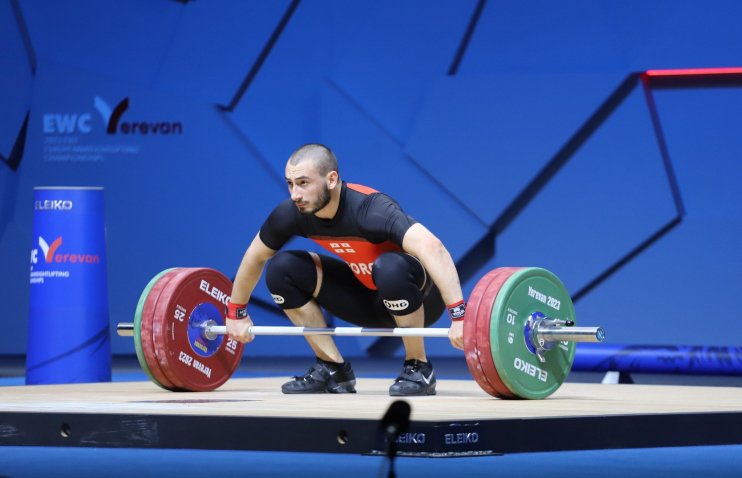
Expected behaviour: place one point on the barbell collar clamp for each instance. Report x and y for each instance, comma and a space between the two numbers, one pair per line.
125, 329
544, 332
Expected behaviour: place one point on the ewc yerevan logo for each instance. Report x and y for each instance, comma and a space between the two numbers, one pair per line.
51, 256
81, 123
69, 136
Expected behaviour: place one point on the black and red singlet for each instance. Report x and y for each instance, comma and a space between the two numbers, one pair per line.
367, 224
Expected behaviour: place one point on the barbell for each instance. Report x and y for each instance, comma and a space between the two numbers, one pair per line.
519, 331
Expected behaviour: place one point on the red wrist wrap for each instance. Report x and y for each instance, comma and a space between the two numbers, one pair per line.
457, 310
236, 311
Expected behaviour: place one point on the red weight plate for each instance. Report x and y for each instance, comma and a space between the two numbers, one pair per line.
191, 361
158, 321
481, 328
470, 332
147, 334
484, 319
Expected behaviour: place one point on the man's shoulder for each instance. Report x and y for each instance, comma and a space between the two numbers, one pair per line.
366, 196
286, 204
284, 212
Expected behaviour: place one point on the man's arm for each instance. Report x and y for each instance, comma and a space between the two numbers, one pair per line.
247, 277
434, 256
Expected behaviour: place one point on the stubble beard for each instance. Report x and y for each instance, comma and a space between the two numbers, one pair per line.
322, 201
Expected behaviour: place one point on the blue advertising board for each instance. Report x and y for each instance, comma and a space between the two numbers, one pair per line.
68, 337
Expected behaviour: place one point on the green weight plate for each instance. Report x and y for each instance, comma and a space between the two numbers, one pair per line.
145, 348
527, 291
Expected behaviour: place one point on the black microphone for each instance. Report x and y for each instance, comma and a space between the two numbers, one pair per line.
396, 420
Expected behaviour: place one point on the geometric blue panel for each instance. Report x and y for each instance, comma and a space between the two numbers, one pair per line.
588, 36
549, 36
385, 53
15, 81
280, 110
702, 129
124, 40
495, 133
688, 284
215, 46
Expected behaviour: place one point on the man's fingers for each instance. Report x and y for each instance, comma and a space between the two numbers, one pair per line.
243, 337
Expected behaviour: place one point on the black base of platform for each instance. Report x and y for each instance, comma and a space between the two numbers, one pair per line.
442, 438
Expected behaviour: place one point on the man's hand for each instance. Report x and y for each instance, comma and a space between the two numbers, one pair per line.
238, 329
239, 322
456, 334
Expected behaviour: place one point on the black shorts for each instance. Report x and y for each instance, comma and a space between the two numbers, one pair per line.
291, 277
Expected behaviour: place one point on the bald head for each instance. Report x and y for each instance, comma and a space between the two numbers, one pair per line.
322, 156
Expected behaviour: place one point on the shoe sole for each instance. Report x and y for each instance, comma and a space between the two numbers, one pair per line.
422, 393
299, 392
324, 390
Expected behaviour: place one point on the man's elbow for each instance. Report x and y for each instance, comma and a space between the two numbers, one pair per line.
422, 243
434, 247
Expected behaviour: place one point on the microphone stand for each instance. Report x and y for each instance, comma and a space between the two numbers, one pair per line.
395, 421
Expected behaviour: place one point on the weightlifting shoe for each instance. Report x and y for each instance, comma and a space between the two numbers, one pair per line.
417, 378
323, 377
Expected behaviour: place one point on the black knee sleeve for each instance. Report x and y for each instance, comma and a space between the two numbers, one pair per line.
399, 279
291, 277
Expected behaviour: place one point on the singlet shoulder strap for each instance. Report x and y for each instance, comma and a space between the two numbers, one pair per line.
361, 189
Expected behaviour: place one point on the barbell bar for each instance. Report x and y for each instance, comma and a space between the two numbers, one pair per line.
543, 334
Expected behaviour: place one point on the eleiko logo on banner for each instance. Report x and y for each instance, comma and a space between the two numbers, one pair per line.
53, 205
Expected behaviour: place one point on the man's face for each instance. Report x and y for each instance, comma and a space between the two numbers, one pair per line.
308, 189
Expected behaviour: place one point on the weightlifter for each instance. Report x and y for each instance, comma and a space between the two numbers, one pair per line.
390, 271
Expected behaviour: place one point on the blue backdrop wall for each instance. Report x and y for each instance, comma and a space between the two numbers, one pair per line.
453, 107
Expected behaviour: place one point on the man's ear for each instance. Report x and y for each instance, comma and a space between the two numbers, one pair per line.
332, 179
